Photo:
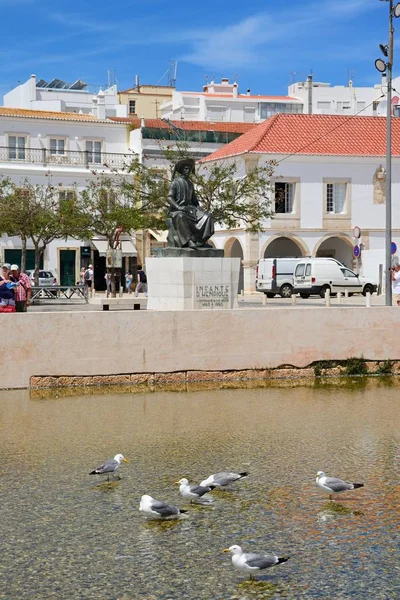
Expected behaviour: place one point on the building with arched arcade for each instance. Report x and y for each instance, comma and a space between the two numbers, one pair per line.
328, 179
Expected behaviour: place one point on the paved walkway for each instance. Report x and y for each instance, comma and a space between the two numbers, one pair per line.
248, 301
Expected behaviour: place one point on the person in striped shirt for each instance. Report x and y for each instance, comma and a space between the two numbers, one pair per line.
24, 291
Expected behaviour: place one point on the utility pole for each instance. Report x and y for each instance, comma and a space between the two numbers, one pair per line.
388, 237
387, 67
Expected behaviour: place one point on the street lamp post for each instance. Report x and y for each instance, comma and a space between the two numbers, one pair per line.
387, 67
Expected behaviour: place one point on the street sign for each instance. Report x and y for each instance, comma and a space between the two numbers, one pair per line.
357, 232
85, 251
393, 248
356, 251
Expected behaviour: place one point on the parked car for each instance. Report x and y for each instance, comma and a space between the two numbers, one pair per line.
275, 276
46, 278
313, 276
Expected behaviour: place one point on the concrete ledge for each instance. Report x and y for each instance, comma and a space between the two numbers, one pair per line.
62, 345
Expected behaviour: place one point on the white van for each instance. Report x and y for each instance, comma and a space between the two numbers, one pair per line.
313, 276
275, 276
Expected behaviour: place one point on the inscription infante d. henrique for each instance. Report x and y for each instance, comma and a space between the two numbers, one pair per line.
212, 296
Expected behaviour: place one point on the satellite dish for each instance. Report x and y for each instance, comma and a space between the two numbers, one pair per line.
381, 109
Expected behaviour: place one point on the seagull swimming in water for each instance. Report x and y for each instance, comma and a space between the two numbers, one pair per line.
223, 478
157, 509
193, 492
109, 467
252, 563
332, 485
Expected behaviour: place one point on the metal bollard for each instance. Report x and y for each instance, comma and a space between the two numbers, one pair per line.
339, 297
368, 299
328, 298
121, 291
346, 294
242, 292
264, 300
294, 299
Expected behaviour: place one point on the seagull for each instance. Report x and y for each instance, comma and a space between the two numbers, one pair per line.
193, 492
109, 466
251, 563
333, 485
223, 478
157, 509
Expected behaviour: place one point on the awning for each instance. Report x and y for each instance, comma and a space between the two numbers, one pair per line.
127, 246
160, 236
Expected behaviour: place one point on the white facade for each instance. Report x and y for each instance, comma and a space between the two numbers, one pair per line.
65, 151
344, 100
74, 98
311, 227
221, 102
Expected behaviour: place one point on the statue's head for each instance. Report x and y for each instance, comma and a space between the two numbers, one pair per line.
184, 167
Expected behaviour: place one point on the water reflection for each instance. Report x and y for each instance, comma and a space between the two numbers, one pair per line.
61, 531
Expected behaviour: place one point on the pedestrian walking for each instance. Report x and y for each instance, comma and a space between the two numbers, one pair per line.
395, 272
88, 277
82, 276
128, 281
141, 285
23, 292
107, 277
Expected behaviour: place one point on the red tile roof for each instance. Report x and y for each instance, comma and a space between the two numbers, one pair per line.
47, 114
329, 135
189, 125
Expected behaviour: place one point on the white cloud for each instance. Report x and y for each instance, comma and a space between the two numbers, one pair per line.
262, 37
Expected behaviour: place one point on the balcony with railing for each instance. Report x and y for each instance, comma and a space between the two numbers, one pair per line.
75, 158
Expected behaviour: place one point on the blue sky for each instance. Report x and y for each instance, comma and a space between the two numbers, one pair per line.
263, 44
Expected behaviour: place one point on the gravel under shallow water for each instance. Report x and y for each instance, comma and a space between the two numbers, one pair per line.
65, 535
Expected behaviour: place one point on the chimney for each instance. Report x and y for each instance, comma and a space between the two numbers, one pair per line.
224, 80
235, 90
248, 92
310, 93
137, 81
101, 105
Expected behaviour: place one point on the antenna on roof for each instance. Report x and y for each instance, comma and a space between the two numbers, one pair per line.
111, 78
172, 71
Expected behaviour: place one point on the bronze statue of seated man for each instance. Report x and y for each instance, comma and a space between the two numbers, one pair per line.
189, 225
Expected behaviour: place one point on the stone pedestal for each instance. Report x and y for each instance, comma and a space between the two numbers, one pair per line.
192, 283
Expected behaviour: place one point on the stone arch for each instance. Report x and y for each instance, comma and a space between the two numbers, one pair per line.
234, 249
284, 245
338, 246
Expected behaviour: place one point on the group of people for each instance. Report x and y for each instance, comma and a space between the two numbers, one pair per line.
86, 278
15, 289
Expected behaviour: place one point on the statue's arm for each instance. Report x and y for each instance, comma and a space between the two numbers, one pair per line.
171, 198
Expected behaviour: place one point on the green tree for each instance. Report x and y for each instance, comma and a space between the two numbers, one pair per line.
119, 201
41, 214
232, 197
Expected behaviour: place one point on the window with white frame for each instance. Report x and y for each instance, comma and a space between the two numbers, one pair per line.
132, 107
360, 106
345, 105
93, 149
66, 194
57, 146
336, 198
16, 147
284, 197
323, 106
249, 113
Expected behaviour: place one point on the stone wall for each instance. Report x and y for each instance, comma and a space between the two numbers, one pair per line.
92, 344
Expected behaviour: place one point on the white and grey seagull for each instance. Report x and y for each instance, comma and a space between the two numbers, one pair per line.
223, 478
248, 562
109, 467
157, 509
193, 492
332, 485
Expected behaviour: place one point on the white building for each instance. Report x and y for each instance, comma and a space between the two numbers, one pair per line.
329, 178
323, 98
59, 96
66, 149
221, 102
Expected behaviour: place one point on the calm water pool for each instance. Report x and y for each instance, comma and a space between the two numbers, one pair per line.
65, 536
